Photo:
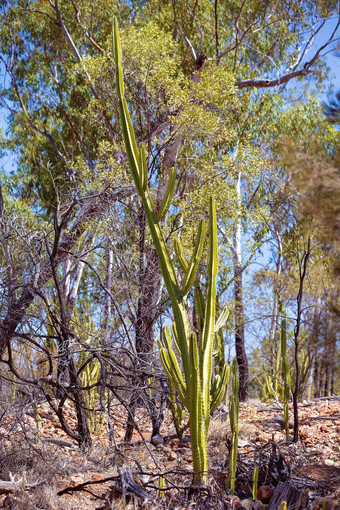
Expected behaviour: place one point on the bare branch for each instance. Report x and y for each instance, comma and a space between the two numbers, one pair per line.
305, 71
93, 207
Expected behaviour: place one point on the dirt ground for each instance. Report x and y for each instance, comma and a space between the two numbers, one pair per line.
64, 478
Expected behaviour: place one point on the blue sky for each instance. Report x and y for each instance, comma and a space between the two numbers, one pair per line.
7, 162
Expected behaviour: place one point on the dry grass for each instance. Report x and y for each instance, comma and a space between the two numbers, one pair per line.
34, 463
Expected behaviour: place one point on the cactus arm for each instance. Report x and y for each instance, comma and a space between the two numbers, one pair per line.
219, 389
144, 173
179, 254
196, 256
131, 146
174, 374
199, 308
209, 318
175, 337
222, 318
167, 267
169, 192
277, 369
170, 355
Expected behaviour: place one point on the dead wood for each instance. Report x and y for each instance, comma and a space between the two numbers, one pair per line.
128, 485
83, 486
59, 442
14, 485
294, 498
321, 417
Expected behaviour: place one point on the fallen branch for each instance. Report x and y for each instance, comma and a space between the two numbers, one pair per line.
127, 486
322, 417
15, 485
59, 442
294, 498
83, 486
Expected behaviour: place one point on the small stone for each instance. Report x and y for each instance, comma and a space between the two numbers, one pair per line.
157, 439
76, 479
265, 494
243, 442
234, 502
258, 505
172, 456
181, 444
96, 477
324, 428
330, 462
247, 503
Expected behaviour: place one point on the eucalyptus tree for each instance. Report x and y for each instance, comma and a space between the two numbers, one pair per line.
189, 67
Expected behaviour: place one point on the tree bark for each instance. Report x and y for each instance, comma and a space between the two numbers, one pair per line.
240, 347
303, 263
150, 289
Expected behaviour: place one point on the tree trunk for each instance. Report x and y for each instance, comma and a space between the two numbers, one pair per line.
303, 263
316, 378
85, 439
67, 369
241, 354
150, 287
310, 382
108, 285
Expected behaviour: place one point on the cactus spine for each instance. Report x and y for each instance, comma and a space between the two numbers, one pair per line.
233, 416
192, 379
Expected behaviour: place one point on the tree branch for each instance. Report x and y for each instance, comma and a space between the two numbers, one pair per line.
93, 207
305, 71
272, 83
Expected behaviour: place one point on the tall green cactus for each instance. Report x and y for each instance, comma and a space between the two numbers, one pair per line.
233, 416
192, 374
286, 377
